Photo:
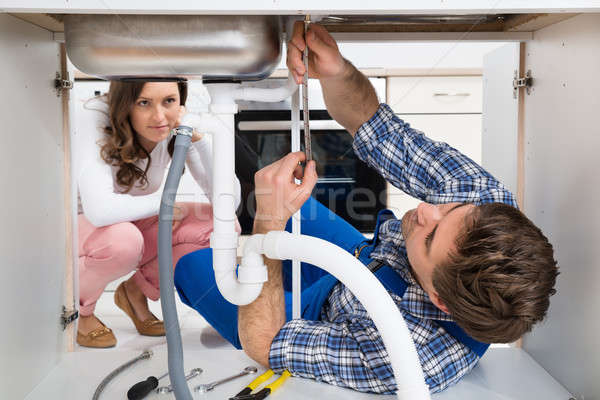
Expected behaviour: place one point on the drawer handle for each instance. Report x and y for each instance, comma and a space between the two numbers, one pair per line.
452, 94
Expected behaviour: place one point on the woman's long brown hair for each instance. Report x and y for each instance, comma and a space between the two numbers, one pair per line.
121, 146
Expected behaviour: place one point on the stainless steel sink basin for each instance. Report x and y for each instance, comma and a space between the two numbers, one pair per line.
217, 47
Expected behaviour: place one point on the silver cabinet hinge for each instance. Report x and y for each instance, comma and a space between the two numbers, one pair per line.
62, 83
526, 82
67, 317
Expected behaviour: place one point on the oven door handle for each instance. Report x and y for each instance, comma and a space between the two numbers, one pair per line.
327, 125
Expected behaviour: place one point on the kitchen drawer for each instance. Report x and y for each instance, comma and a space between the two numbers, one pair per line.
435, 94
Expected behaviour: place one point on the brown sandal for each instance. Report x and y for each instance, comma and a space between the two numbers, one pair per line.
100, 338
149, 327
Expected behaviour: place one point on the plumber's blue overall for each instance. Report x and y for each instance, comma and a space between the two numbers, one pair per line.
195, 279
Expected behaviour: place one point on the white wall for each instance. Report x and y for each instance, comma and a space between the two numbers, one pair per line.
32, 232
562, 128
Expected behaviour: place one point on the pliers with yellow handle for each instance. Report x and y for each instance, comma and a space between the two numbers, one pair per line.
246, 393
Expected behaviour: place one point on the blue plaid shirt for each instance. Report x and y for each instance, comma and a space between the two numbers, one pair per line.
344, 347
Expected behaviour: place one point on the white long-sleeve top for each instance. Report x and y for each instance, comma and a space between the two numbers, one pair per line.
99, 196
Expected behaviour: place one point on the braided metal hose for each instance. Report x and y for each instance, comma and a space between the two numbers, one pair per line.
144, 356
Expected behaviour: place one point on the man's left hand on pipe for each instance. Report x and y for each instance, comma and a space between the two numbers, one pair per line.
278, 197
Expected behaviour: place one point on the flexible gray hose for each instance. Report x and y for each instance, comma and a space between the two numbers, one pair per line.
165, 265
145, 355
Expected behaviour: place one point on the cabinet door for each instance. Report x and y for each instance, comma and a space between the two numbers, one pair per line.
33, 234
500, 115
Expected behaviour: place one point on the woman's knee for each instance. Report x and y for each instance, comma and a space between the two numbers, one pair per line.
202, 212
197, 225
123, 244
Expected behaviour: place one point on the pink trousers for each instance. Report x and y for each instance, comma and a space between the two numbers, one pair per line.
110, 252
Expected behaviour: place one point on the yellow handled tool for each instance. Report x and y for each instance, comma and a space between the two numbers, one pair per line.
246, 393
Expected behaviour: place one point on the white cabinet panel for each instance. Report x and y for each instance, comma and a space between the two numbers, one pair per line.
462, 132
33, 230
435, 94
314, 7
562, 132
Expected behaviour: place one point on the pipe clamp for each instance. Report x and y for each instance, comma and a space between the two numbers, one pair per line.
183, 130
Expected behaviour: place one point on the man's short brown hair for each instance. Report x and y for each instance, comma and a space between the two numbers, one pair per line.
498, 282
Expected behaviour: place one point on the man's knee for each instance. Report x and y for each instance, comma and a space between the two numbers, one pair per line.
193, 264
194, 273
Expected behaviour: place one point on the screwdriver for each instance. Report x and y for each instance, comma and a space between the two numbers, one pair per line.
143, 388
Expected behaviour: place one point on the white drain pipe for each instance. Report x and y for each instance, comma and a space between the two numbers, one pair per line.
280, 245
245, 288
224, 238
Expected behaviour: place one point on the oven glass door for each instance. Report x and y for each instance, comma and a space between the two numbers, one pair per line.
346, 185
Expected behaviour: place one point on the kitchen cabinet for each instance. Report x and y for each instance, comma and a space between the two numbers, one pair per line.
556, 150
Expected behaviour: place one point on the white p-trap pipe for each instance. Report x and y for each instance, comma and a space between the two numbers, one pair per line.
224, 238
236, 288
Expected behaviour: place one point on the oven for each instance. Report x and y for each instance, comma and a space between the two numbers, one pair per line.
346, 185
